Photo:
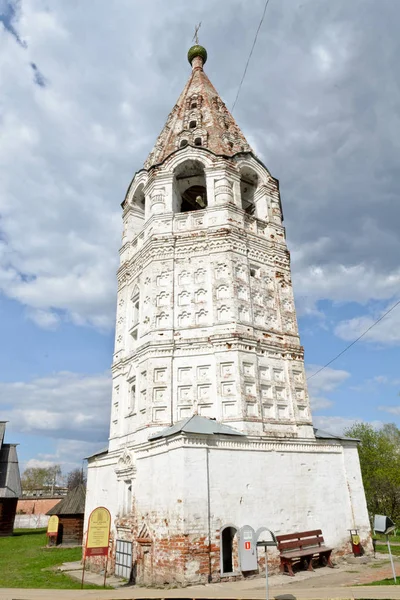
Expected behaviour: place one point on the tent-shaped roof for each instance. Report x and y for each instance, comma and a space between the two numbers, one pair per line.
196, 424
199, 114
72, 504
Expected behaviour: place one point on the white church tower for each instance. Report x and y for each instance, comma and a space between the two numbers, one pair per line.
210, 421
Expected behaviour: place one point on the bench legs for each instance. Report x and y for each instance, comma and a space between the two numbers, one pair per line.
324, 559
286, 562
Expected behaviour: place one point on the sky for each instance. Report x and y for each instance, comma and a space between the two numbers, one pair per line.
86, 88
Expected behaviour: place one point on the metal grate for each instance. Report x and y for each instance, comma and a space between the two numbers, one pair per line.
123, 559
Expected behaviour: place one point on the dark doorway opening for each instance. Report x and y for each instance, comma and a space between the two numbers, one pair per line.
228, 535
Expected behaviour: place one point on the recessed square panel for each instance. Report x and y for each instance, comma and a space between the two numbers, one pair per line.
269, 411
266, 392
228, 388
227, 369
205, 410
248, 369
229, 409
185, 394
204, 372
252, 409
160, 394
280, 393
203, 392
159, 414
184, 412
282, 411
184, 373
278, 375
265, 373
160, 374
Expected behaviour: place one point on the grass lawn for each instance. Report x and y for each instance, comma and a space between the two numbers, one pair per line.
26, 563
392, 538
380, 547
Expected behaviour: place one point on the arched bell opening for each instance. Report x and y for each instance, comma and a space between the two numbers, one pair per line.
190, 189
138, 199
248, 187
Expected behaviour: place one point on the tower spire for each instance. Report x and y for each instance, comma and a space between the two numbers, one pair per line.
199, 118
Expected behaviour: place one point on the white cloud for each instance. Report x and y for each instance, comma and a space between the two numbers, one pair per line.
69, 454
70, 408
325, 381
338, 425
37, 463
70, 148
339, 283
386, 331
334, 424
319, 403
393, 410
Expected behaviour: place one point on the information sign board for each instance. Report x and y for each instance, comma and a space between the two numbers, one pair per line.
52, 526
98, 533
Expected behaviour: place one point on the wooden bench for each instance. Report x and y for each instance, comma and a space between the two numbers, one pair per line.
303, 547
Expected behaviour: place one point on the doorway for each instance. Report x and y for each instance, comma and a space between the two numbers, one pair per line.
229, 549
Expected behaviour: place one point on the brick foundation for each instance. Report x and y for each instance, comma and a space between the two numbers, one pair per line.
186, 559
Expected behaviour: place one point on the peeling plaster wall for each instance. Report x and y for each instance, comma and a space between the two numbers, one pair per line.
284, 486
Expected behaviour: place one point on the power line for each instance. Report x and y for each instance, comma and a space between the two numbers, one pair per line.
250, 55
355, 341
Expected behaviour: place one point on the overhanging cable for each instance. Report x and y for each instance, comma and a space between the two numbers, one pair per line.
250, 55
355, 341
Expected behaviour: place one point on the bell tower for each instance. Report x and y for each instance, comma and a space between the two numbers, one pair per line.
211, 429
206, 323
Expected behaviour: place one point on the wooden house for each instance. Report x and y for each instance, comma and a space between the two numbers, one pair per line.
70, 511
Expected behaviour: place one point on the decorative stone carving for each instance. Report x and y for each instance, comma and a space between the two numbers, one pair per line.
126, 466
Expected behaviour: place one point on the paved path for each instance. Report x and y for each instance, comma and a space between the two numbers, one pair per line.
290, 593
341, 583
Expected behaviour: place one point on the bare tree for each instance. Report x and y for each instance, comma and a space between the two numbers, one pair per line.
75, 477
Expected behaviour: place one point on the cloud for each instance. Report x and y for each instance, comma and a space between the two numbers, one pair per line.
393, 410
9, 13
338, 425
326, 381
85, 97
35, 463
71, 408
386, 331
69, 454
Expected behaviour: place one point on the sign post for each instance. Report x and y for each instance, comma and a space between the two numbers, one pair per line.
384, 524
265, 543
52, 528
98, 537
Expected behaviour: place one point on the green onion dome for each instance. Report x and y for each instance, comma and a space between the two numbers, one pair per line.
197, 51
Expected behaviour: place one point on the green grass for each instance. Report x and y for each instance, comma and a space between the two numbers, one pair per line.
392, 538
384, 549
26, 563
385, 582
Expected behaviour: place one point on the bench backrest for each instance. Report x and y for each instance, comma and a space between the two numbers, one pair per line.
299, 541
